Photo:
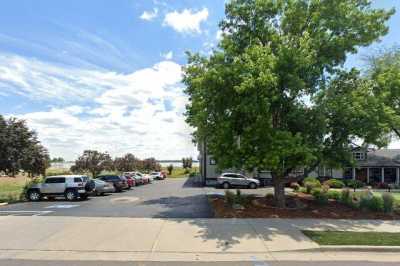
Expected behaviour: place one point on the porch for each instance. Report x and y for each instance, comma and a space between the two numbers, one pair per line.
371, 175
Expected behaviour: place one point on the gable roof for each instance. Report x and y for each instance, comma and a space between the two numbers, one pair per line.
381, 158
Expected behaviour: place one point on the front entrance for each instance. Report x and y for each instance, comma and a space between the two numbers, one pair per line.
362, 174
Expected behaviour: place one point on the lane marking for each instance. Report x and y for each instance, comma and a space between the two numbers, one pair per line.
62, 206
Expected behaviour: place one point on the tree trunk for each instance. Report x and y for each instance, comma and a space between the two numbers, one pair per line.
279, 193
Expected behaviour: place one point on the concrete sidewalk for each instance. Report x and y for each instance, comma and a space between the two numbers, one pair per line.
128, 239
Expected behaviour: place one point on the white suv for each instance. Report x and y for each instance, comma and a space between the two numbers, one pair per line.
71, 187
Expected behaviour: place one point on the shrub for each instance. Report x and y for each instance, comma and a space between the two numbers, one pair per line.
355, 184
333, 194
229, 197
320, 196
295, 186
376, 204
311, 183
241, 199
388, 202
345, 196
334, 183
303, 190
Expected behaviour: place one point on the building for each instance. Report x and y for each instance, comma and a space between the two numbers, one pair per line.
372, 167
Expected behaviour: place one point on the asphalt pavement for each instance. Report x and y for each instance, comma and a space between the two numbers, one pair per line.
171, 198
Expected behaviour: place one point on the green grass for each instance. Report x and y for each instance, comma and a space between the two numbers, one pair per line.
11, 188
179, 172
354, 238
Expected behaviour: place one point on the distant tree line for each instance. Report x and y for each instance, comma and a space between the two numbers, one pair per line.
95, 162
20, 149
187, 162
57, 160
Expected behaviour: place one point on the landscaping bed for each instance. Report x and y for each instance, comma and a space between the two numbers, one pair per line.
299, 205
354, 238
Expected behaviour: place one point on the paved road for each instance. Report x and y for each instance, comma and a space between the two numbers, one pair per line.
171, 198
255, 263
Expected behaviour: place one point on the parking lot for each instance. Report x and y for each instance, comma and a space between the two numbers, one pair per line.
170, 198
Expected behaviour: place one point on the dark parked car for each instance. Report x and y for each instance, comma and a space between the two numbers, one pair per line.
118, 182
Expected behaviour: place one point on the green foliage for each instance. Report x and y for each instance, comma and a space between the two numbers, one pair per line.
388, 202
376, 204
345, 196
229, 197
333, 194
20, 149
311, 183
187, 162
170, 168
384, 71
303, 190
94, 162
354, 184
334, 183
247, 97
320, 196
238, 198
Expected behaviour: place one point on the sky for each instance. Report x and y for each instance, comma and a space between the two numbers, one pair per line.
106, 75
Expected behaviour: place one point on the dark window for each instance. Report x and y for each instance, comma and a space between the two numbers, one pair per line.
78, 180
56, 180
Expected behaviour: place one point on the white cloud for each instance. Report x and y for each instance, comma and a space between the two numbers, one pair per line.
149, 15
186, 21
168, 56
120, 112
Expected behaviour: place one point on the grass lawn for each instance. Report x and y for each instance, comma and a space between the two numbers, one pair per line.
179, 172
11, 188
354, 238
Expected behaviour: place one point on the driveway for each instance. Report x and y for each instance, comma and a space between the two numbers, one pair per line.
171, 198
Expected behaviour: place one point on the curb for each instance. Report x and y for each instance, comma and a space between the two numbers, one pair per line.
360, 248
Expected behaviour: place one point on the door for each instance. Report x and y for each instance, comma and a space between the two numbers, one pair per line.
238, 180
54, 185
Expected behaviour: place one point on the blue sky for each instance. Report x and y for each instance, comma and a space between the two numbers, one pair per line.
105, 75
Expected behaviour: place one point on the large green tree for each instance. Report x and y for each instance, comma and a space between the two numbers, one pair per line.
20, 149
263, 100
94, 162
384, 71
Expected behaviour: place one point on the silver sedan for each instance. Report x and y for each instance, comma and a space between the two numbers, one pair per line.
102, 187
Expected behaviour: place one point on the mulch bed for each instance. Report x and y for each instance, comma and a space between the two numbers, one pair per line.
299, 206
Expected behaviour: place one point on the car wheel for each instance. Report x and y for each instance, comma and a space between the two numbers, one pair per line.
253, 185
225, 185
34, 195
70, 195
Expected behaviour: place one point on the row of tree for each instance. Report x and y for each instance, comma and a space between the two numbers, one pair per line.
187, 163
275, 94
95, 162
20, 149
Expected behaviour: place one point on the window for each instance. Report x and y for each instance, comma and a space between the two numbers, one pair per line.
359, 155
78, 180
56, 180
212, 161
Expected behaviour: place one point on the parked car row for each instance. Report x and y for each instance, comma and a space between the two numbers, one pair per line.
73, 187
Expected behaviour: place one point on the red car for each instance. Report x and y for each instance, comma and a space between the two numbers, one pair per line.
131, 181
